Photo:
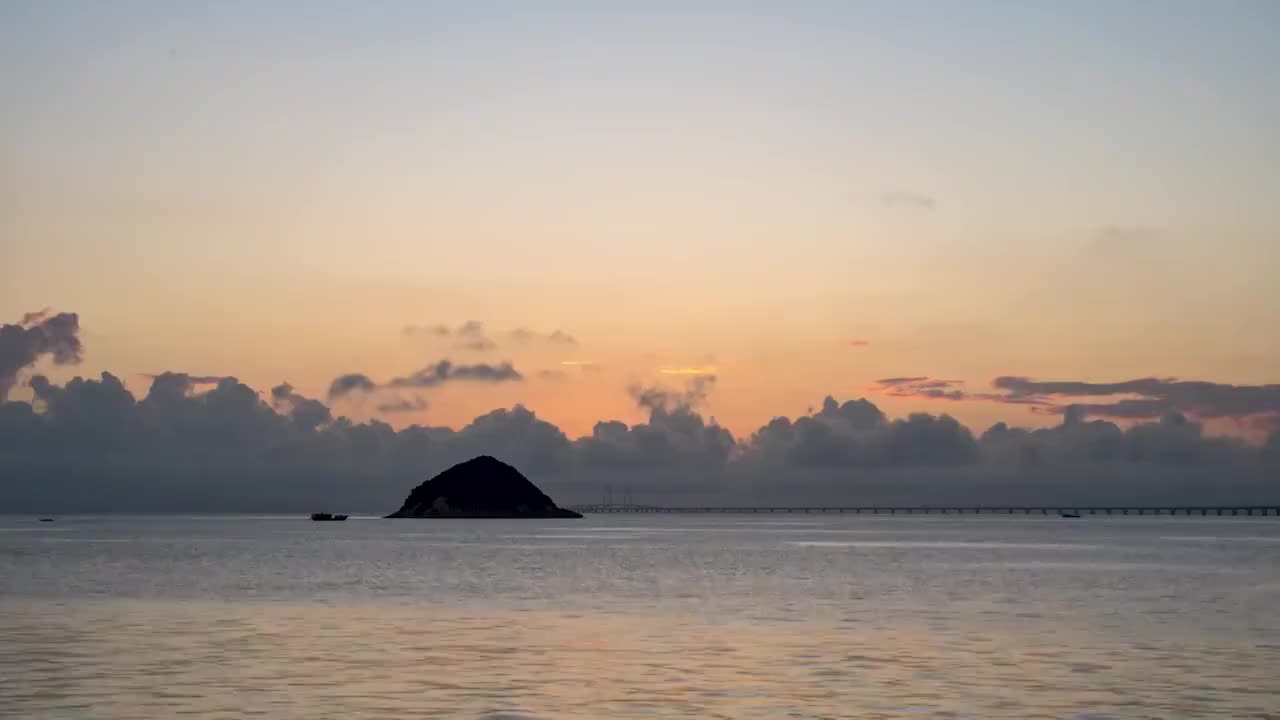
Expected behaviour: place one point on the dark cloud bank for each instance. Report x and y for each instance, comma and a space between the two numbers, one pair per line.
216, 445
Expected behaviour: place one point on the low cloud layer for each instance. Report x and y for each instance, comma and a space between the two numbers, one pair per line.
206, 443
91, 445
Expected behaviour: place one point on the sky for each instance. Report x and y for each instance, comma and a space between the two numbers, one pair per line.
567, 203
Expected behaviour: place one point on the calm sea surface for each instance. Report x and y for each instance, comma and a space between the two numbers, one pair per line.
640, 616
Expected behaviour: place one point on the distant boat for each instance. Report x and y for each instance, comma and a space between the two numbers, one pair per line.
1069, 515
330, 517
46, 519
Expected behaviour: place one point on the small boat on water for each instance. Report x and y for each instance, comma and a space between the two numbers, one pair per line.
327, 517
46, 519
1069, 515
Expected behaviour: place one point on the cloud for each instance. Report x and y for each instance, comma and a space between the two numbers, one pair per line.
1256, 407
349, 383
859, 343
415, 403
1271, 449
188, 379
436, 330
283, 393
172, 386
472, 335
1147, 398
653, 397
1172, 441
306, 413
908, 200
32, 318
856, 434
921, 387
187, 445
446, 371
470, 328
39, 334
676, 439
89, 445
438, 373
556, 337
480, 344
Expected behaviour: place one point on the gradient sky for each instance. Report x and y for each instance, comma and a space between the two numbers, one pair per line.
1083, 190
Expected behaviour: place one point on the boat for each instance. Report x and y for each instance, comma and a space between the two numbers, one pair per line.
1069, 515
46, 519
327, 517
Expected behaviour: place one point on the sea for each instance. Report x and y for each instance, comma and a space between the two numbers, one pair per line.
640, 616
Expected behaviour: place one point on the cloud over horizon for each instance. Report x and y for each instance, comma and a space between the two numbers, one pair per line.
39, 334
212, 443
1148, 399
306, 413
265, 454
1254, 406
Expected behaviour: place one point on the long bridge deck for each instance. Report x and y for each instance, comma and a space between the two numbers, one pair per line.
1186, 510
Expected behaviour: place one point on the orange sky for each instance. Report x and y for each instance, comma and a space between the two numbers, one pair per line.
276, 198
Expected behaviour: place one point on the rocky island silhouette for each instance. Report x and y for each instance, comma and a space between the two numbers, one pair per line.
483, 487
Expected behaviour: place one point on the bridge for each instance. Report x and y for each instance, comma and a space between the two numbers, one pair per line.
1168, 510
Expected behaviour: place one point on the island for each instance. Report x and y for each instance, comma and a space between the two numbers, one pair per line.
483, 487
